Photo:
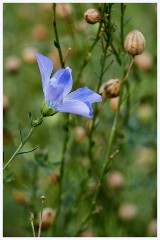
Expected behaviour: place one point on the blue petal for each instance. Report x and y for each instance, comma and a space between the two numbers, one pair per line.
76, 107
84, 95
64, 77
45, 67
54, 94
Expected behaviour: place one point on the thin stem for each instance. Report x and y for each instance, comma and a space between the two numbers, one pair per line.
66, 55
56, 35
41, 214
62, 171
129, 69
122, 27
20, 147
32, 224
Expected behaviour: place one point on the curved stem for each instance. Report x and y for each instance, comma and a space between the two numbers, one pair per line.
20, 147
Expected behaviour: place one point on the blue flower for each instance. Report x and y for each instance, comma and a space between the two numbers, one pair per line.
57, 90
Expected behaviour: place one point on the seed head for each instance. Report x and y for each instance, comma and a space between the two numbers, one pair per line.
92, 16
134, 43
110, 89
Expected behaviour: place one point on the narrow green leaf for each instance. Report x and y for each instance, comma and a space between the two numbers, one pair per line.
27, 151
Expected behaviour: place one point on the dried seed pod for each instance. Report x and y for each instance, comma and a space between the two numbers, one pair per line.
113, 104
134, 43
92, 16
144, 61
110, 89
127, 211
48, 216
115, 180
13, 64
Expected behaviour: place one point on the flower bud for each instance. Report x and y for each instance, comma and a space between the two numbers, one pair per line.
92, 16
134, 43
110, 89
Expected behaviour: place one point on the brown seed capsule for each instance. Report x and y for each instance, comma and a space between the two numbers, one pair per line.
64, 10
127, 211
28, 55
113, 104
5, 103
110, 89
144, 61
92, 16
13, 64
48, 216
134, 43
115, 180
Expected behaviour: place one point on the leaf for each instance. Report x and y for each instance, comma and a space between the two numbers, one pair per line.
27, 151
56, 44
127, 20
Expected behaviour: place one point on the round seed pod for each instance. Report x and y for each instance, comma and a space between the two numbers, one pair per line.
13, 64
144, 61
134, 43
92, 16
127, 211
110, 89
115, 180
152, 228
48, 216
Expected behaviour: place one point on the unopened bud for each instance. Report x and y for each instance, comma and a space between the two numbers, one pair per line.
134, 43
110, 89
92, 16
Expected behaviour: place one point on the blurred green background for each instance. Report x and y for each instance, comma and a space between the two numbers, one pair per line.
127, 209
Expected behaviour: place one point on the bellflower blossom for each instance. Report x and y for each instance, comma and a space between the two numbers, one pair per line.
57, 90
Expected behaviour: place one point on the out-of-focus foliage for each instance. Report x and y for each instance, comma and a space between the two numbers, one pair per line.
127, 202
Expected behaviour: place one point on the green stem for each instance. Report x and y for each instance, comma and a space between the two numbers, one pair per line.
59, 201
56, 35
20, 147
122, 27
